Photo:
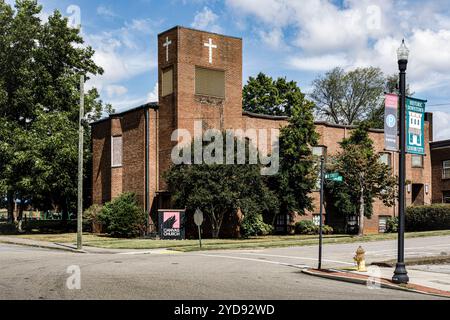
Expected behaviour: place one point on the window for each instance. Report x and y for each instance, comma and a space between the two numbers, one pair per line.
210, 82
382, 224
167, 82
316, 219
446, 197
386, 159
116, 152
417, 161
446, 169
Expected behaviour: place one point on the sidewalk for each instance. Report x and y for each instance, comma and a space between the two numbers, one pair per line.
72, 247
420, 281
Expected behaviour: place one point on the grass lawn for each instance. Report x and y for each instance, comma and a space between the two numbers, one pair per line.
102, 241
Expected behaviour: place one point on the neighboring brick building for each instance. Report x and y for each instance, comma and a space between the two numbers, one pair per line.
200, 79
440, 163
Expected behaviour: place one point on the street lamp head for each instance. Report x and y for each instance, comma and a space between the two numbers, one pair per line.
403, 52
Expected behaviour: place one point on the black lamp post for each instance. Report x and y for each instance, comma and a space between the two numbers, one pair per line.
400, 273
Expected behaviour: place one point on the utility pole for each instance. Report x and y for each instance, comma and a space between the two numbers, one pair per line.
322, 184
80, 168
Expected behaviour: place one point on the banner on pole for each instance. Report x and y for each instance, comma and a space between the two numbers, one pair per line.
415, 126
391, 123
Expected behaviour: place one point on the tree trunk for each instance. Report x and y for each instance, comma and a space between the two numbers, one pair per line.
215, 232
10, 206
361, 213
21, 208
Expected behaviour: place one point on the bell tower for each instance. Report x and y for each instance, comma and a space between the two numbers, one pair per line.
200, 80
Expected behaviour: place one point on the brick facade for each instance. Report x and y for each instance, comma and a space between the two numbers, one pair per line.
150, 127
440, 152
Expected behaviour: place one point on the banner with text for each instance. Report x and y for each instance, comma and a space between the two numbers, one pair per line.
415, 126
391, 123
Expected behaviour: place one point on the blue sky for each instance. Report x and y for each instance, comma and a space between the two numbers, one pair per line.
292, 38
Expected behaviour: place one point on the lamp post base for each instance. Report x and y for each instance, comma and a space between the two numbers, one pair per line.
400, 274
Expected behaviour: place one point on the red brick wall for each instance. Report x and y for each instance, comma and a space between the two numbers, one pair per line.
180, 109
438, 155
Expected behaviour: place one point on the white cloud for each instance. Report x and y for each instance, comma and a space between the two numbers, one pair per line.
153, 96
322, 34
273, 38
106, 12
441, 127
123, 54
115, 90
206, 20
319, 63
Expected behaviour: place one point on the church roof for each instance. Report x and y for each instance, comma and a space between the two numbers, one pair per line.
150, 105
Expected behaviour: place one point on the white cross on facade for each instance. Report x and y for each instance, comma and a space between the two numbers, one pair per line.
211, 46
166, 45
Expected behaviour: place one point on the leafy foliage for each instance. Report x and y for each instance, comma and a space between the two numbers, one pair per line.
392, 225
40, 67
254, 225
264, 95
307, 227
428, 218
220, 190
123, 217
365, 177
298, 175
352, 97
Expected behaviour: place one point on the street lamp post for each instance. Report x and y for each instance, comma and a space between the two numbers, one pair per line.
400, 273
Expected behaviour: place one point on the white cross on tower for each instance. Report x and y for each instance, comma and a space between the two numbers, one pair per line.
211, 46
166, 45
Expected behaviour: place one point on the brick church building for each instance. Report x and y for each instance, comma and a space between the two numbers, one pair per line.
200, 79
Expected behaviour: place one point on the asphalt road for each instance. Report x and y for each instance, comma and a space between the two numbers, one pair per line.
32, 273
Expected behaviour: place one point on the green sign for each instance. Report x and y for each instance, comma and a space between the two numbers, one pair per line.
334, 177
415, 126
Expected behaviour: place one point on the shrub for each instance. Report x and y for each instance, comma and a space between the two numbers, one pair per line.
123, 217
254, 225
392, 225
93, 213
428, 218
308, 227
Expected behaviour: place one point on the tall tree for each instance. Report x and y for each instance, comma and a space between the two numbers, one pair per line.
365, 177
375, 118
348, 97
272, 97
221, 189
40, 66
297, 176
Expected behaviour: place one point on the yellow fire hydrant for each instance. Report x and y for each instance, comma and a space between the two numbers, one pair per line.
360, 259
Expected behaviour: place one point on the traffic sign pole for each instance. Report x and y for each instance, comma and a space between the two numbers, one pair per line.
198, 219
200, 236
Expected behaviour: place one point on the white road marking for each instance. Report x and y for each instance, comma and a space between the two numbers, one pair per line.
149, 252
254, 260
299, 258
410, 248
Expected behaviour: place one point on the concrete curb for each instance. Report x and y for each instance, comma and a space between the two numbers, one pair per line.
364, 282
55, 246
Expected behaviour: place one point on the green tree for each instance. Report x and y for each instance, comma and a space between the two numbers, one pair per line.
40, 66
375, 118
348, 97
298, 169
221, 189
365, 177
264, 95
